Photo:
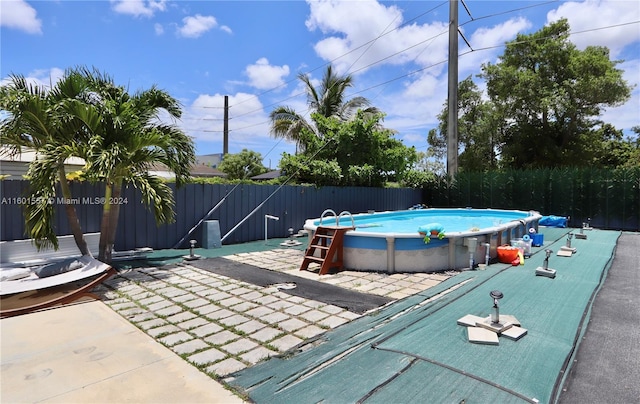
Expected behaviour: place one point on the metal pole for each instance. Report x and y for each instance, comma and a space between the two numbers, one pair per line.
452, 120
225, 146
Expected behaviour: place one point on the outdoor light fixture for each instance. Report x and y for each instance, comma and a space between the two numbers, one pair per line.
191, 255
544, 270
567, 250
290, 242
495, 315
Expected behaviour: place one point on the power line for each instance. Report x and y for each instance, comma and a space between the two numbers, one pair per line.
386, 82
345, 54
370, 43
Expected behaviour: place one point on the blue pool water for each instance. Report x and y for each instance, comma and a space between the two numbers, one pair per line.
453, 220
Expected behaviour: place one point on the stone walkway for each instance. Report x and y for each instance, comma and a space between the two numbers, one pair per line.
222, 325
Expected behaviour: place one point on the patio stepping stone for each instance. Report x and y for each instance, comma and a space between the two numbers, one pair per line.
173, 339
223, 313
266, 334
333, 321
226, 367
159, 305
241, 345
156, 322
275, 318
244, 306
132, 312
292, 324
221, 338
280, 304
250, 326
287, 342
198, 302
169, 310
180, 317
193, 323
189, 347
185, 298
331, 309
172, 292
309, 331
234, 320
209, 356
207, 329
150, 300
256, 355
205, 310
230, 301
295, 310
251, 296
265, 300
165, 329
147, 315
218, 296
314, 315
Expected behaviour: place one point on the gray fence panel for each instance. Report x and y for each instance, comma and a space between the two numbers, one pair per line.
137, 227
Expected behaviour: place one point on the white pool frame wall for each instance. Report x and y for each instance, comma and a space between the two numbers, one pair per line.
408, 252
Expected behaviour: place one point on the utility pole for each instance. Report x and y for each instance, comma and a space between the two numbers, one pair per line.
225, 130
452, 120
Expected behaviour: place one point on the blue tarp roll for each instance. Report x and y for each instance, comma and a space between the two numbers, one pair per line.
553, 221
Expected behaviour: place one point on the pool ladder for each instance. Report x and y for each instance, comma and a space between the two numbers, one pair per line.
326, 244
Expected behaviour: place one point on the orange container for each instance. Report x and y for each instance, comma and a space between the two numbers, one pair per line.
507, 254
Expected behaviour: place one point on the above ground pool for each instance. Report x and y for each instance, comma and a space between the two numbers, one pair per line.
401, 241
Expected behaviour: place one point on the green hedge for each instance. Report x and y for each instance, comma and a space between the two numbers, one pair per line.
610, 198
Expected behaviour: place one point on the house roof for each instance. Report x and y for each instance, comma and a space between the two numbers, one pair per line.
267, 176
202, 170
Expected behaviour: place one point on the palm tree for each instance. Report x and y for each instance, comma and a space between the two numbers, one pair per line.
117, 134
328, 100
44, 120
125, 142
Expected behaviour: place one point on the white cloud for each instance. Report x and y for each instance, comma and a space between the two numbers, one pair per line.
138, 8
41, 78
366, 33
264, 76
226, 29
196, 26
158, 28
18, 14
592, 14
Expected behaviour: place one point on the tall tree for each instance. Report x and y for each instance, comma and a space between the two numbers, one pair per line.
327, 100
118, 135
479, 131
358, 152
551, 92
125, 142
243, 165
42, 119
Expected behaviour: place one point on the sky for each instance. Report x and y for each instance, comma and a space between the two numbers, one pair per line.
253, 51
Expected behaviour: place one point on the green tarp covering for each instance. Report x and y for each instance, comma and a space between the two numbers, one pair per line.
414, 351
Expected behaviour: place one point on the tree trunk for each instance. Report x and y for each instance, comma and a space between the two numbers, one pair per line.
114, 214
105, 251
109, 225
72, 215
